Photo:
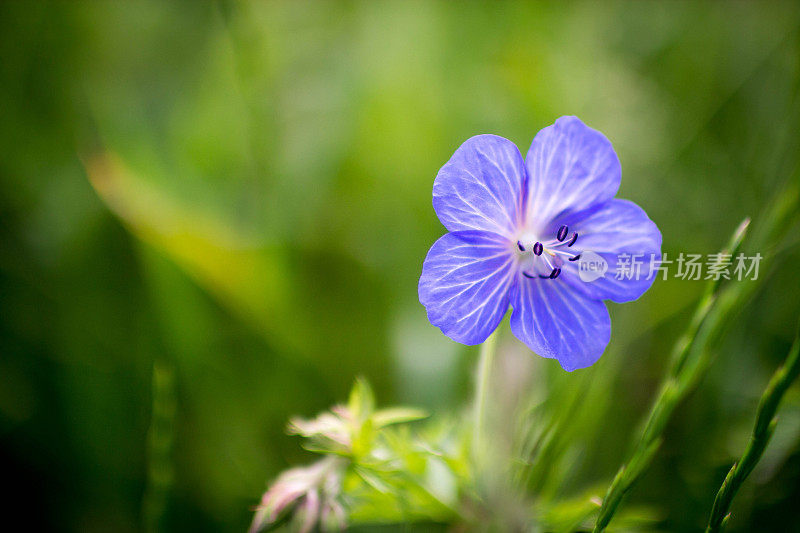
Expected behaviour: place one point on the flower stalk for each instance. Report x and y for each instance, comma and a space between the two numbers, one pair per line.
762, 432
482, 392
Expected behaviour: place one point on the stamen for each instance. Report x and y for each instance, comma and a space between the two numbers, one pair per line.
538, 248
574, 238
562, 233
527, 275
521, 248
575, 258
554, 274
547, 262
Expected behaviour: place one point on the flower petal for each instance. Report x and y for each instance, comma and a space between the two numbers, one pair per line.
622, 234
571, 167
465, 284
558, 322
481, 187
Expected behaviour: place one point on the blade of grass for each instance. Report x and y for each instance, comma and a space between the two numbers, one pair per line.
692, 352
762, 432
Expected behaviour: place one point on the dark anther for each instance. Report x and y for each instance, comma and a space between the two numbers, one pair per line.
527, 275
538, 248
562, 233
554, 274
575, 258
521, 248
573, 239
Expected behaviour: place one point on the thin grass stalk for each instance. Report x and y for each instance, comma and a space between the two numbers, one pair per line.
762, 432
160, 436
690, 357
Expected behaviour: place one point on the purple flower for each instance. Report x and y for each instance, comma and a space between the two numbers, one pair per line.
544, 235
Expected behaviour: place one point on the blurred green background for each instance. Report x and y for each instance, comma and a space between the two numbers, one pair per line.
238, 196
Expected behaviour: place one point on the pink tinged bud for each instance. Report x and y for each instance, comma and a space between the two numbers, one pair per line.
333, 516
304, 491
334, 426
309, 511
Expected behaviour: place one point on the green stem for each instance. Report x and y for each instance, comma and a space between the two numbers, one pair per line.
762, 432
481, 393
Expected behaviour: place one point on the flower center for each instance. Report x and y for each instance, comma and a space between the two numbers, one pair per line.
544, 258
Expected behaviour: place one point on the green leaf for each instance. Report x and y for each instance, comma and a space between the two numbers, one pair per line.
362, 401
397, 415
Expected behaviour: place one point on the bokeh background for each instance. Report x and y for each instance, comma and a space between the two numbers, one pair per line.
213, 215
